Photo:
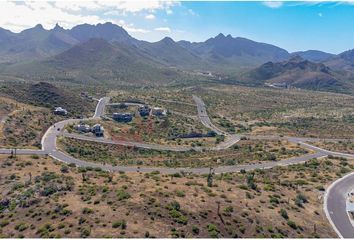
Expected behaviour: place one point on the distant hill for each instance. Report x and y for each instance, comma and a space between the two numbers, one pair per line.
38, 43
343, 61
170, 53
106, 53
313, 55
107, 31
299, 73
218, 53
34, 43
235, 53
98, 61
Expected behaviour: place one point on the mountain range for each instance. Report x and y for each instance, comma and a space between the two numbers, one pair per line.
106, 52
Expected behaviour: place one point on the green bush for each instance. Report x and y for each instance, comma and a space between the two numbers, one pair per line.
87, 210
213, 230
85, 232
195, 230
21, 227
284, 214
119, 224
122, 195
292, 224
180, 193
4, 223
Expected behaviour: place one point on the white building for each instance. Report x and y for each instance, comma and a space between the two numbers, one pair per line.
60, 111
158, 111
83, 128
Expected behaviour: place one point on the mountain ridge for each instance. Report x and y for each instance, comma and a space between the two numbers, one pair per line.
107, 51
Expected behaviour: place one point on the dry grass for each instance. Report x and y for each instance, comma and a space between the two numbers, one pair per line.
98, 204
245, 152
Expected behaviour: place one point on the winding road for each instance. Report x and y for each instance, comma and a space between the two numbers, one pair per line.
49, 146
335, 197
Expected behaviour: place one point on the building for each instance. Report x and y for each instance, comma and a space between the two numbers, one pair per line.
98, 130
83, 128
156, 111
144, 111
123, 117
60, 111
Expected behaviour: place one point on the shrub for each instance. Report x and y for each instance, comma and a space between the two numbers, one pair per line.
292, 224
174, 205
229, 209
195, 230
284, 214
300, 200
213, 230
64, 169
4, 223
45, 230
21, 227
87, 210
178, 216
119, 224
122, 195
180, 193
85, 232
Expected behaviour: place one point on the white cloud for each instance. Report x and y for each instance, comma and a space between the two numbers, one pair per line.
191, 12
320, 14
17, 16
163, 29
273, 4
134, 6
169, 12
124, 5
135, 30
150, 17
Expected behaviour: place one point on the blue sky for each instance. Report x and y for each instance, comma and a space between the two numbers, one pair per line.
327, 26
293, 26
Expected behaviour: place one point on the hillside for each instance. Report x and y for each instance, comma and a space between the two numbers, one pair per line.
98, 61
226, 52
298, 73
106, 53
170, 53
313, 55
343, 61
34, 43
44, 94
38, 43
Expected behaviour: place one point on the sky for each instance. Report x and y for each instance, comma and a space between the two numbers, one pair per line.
294, 26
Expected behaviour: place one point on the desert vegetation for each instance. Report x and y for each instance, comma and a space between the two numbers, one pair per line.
247, 151
44, 198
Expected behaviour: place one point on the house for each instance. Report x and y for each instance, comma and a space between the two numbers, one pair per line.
98, 130
144, 110
60, 111
83, 128
156, 111
123, 117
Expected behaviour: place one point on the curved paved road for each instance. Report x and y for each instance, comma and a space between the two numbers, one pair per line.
49, 146
335, 206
